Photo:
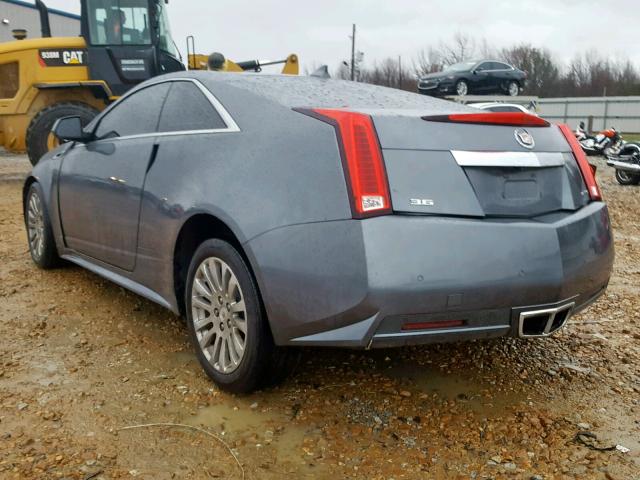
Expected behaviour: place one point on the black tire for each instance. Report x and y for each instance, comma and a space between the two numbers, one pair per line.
511, 89
625, 178
459, 86
262, 361
46, 257
41, 125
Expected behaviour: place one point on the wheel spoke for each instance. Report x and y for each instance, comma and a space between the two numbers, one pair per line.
216, 275
231, 287
198, 302
200, 323
238, 342
201, 287
215, 349
207, 276
240, 324
238, 307
225, 275
233, 354
205, 339
222, 356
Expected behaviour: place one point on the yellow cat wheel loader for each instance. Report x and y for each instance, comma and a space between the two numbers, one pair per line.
122, 43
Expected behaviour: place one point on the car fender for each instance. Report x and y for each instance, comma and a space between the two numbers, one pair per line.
47, 173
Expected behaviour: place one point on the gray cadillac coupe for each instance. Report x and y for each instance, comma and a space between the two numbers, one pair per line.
278, 211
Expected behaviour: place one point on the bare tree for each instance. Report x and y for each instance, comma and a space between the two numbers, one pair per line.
542, 71
427, 62
586, 75
462, 48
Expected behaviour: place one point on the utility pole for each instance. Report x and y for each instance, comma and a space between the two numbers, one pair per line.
353, 53
399, 71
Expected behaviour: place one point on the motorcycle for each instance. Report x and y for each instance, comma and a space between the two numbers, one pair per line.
627, 164
607, 142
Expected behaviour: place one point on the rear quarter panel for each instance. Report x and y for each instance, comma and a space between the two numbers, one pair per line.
283, 168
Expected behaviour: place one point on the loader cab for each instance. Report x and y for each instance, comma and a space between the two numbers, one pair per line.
128, 41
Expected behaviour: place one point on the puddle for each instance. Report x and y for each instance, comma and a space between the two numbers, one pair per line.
265, 427
481, 398
272, 436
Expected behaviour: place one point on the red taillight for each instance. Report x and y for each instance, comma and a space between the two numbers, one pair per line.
362, 158
433, 325
585, 168
510, 119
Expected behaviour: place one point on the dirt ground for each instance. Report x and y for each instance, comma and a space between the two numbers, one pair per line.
82, 359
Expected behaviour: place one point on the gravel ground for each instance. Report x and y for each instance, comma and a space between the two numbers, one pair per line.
81, 359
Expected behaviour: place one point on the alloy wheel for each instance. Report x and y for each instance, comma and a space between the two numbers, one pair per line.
219, 315
462, 89
35, 225
514, 89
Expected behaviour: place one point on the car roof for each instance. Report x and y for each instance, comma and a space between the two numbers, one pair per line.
304, 91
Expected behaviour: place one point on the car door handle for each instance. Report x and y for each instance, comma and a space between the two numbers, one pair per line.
117, 180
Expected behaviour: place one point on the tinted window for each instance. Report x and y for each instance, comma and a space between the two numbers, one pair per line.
136, 114
119, 22
187, 108
484, 66
500, 66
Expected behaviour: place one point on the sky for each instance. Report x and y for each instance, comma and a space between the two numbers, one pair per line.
319, 31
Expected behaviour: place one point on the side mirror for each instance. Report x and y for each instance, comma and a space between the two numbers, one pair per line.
69, 129
474, 72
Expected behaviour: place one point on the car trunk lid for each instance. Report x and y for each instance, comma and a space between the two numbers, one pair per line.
439, 167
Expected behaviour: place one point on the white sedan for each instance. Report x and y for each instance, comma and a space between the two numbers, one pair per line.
502, 107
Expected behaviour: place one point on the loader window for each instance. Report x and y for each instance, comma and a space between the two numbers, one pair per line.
166, 42
9, 80
119, 22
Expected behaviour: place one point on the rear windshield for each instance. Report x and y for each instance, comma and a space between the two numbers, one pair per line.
301, 92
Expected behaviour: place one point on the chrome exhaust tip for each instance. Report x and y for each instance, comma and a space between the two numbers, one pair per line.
624, 166
544, 322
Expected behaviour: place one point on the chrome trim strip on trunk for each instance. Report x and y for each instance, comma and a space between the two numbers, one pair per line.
508, 159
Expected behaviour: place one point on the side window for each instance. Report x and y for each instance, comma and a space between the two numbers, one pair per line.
483, 66
187, 108
135, 115
500, 66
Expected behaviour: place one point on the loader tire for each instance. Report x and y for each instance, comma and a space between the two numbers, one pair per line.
39, 140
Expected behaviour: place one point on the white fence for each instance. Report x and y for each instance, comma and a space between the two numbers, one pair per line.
598, 113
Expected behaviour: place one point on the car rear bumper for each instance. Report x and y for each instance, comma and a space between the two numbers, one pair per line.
363, 283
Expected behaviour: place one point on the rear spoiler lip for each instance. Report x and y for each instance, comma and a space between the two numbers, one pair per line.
505, 119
